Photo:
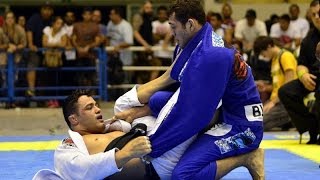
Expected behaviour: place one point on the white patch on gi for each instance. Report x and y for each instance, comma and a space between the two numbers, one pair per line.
254, 112
219, 130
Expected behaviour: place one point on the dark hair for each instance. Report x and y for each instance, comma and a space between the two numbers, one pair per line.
251, 13
262, 43
294, 6
118, 11
86, 9
55, 19
314, 3
187, 9
285, 17
70, 104
162, 8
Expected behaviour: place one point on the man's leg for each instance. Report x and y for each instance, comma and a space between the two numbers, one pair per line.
200, 159
276, 117
291, 95
253, 161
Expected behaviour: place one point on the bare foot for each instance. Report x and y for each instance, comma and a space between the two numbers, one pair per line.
255, 164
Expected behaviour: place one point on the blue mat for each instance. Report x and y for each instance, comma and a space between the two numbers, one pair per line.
279, 165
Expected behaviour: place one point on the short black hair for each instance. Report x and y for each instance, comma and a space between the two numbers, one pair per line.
251, 13
118, 11
285, 17
70, 104
162, 8
262, 43
187, 9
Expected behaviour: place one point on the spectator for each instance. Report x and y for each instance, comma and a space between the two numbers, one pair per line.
54, 37
22, 21
120, 36
293, 93
215, 20
34, 28
283, 70
86, 37
162, 37
16, 38
4, 44
142, 32
228, 23
96, 18
301, 24
273, 19
248, 29
285, 33
69, 20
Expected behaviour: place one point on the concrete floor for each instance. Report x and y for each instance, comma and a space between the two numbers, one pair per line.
38, 121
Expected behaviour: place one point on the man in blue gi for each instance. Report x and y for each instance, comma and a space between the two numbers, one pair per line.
208, 73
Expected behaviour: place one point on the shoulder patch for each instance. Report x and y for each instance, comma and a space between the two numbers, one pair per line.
240, 67
68, 142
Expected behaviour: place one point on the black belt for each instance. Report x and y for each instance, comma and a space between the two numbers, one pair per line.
151, 173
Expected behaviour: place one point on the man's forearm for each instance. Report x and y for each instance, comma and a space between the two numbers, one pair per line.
145, 91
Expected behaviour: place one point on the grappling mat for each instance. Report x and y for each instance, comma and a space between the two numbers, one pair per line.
285, 159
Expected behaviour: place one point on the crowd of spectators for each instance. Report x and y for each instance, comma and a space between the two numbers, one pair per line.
147, 28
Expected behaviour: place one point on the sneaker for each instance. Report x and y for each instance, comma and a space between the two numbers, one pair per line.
50, 104
56, 103
30, 93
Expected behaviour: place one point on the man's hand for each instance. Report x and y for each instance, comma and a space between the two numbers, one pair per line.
308, 80
126, 115
136, 148
133, 113
33, 48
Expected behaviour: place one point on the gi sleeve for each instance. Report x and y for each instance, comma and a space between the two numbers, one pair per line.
71, 163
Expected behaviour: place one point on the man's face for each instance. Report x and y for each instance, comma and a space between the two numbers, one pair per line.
89, 116
162, 15
46, 13
315, 16
266, 54
215, 23
69, 18
147, 8
113, 16
96, 16
180, 32
87, 16
284, 25
294, 12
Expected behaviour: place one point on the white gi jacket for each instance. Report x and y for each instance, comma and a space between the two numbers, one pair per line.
72, 160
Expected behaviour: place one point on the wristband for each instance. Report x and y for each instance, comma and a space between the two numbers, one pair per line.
301, 73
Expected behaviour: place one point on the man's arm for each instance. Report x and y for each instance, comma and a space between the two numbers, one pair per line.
145, 91
307, 79
72, 163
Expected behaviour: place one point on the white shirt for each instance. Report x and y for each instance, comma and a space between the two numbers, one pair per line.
250, 33
302, 25
53, 39
119, 33
73, 161
277, 32
68, 29
161, 28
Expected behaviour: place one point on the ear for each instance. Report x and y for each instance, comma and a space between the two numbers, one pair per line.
191, 24
73, 120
